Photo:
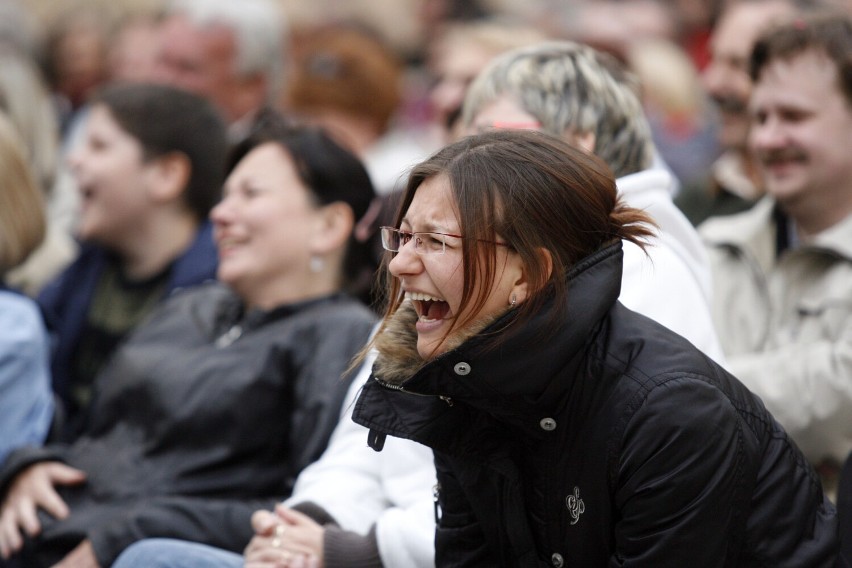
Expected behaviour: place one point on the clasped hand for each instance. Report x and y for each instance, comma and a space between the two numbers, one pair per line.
284, 539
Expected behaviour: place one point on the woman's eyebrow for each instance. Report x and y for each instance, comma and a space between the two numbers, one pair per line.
427, 227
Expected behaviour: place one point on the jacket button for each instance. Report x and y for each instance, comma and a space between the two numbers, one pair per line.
547, 424
462, 369
556, 560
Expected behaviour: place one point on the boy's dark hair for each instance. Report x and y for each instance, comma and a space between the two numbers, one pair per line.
164, 120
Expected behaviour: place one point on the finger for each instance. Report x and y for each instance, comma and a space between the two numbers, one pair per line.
290, 516
263, 522
10, 537
51, 502
257, 544
270, 553
263, 549
62, 474
27, 518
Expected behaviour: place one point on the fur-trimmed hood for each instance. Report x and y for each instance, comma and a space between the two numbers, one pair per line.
396, 343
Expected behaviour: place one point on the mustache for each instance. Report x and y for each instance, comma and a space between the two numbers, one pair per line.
782, 155
730, 104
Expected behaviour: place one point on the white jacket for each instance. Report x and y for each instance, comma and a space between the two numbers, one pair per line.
672, 284
787, 324
360, 487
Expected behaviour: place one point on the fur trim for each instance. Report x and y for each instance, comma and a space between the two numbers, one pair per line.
396, 343
398, 358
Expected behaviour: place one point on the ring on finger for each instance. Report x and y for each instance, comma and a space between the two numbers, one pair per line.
279, 532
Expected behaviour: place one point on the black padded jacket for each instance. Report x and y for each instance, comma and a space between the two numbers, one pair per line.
607, 440
204, 415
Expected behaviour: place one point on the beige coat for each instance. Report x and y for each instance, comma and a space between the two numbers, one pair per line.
786, 324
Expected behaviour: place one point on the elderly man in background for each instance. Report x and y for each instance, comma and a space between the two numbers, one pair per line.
229, 52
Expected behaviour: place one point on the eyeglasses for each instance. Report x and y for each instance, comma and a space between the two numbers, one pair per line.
424, 242
507, 125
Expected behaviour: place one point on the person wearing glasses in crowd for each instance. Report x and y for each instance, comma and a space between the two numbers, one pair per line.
211, 408
567, 429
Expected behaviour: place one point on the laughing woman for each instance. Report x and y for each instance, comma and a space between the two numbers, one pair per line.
568, 430
214, 404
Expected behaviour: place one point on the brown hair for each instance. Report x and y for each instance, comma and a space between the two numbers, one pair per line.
536, 192
22, 216
827, 32
348, 69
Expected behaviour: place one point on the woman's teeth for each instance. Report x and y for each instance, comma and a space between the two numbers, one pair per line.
421, 297
426, 304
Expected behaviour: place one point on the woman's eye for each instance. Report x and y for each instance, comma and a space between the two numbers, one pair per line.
430, 241
404, 238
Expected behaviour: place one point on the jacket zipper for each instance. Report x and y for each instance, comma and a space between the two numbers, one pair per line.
399, 388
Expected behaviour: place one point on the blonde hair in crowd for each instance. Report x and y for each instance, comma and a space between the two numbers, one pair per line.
22, 216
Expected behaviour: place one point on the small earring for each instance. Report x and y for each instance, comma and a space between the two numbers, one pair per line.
316, 264
513, 301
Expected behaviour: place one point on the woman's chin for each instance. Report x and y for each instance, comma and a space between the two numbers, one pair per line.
430, 347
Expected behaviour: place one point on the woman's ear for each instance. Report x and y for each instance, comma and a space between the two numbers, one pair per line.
334, 225
168, 176
522, 287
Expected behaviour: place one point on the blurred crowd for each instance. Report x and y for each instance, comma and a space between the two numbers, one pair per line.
152, 266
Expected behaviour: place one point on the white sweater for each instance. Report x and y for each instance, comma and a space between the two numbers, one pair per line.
391, 489
672, 284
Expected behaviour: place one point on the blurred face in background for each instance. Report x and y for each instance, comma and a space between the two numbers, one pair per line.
202, 61
112, 177
455, 63
263, 225
726, 77
802, 132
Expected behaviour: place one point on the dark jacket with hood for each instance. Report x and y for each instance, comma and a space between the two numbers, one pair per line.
610, 441
67, 299
203, 416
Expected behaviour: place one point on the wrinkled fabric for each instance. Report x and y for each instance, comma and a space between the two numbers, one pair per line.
786, 324
205, 415
26, 400
669, 281
65, 301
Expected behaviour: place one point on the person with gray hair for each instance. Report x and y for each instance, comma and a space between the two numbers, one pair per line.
229, 52
584, 96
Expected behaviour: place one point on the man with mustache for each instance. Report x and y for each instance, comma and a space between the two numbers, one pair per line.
783, 269
733, 184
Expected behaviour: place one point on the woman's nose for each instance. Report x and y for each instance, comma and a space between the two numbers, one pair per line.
406, 261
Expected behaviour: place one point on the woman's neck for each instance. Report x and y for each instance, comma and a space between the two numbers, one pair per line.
288, 290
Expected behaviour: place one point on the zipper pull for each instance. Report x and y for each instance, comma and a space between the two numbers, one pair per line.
436, 493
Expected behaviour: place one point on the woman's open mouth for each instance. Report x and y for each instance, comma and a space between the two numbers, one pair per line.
429, 308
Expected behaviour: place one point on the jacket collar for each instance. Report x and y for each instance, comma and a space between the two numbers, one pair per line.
522, 369
837, 239
755, 231
651, 184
